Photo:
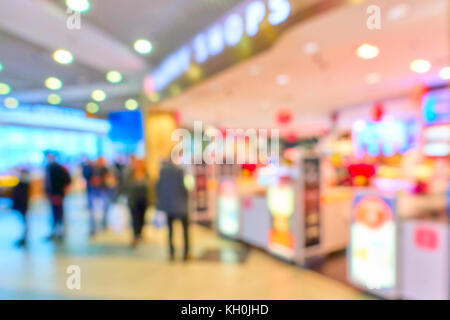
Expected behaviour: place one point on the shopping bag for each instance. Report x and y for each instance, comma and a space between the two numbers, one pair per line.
159, 219
118, 217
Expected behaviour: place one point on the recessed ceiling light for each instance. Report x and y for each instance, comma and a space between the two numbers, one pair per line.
372, 78
420, 66
1, 66
131, 104
143, 46
78, 5
114, 76
53, 98
311, 48
53, 83
4, 89
254, 70
11, 102
282, 79
98, 95
62, 56
398, 12
367, 51
444, 74
92, 107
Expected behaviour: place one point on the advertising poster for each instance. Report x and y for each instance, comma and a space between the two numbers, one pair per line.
373, 248
201, 191
311, 205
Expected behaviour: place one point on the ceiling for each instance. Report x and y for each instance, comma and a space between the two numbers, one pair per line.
248, 95
30, 30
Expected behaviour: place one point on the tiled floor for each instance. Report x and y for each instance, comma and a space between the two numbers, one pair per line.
111, 270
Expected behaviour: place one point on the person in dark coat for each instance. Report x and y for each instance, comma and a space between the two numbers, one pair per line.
136, 188
57, 179
87, 170
20, 199
103, 182
172, 198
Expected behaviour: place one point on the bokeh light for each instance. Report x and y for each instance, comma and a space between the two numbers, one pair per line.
53, 83
131, 104
54, 99
78, 5
63, 56
114, 76
92, 107
143, 46
11, 102
4, 88
98, 95
367, 51
420, 66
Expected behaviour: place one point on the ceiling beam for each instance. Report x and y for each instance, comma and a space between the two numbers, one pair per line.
44, 24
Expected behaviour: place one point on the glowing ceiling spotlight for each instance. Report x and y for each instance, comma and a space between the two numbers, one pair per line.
92, 107
53, 83
444, 74
63, 56
114, 76
98, 95
78, 5
143, 46
11, 102
367, 51
420, 66
131, 104
54, 99
4, 89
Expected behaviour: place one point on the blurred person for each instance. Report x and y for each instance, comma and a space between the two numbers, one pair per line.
20, 198
120, 169
172, 198
57, 179
87, 171
103, 182
136, 188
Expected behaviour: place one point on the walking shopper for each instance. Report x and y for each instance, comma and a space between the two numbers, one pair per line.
20, 198
172, 198
57, 179
136, 188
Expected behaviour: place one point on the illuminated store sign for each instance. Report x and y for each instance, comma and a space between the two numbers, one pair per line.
53, 117
373, 249
226, 33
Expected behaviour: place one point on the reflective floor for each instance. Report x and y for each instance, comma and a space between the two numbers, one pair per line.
110, 269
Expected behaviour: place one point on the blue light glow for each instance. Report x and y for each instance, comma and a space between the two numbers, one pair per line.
279, 11
215, 40
234, 29
254, 15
